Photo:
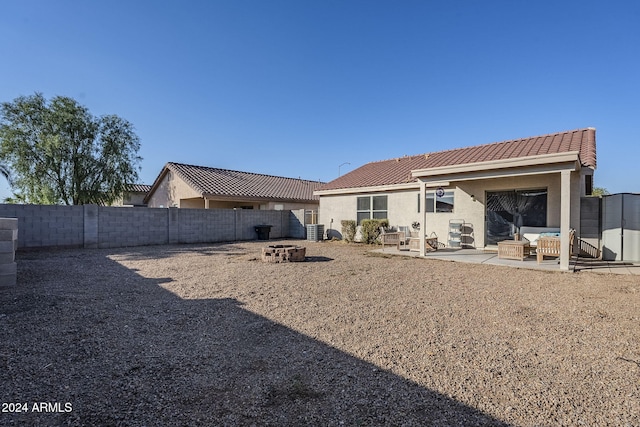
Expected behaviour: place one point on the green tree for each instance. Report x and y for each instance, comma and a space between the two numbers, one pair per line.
60, 153
599, 191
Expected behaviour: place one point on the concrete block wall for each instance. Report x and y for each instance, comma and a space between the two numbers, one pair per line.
8, 246
121, 227
92, 226
203, 225
47, 226
297, 229
247, 219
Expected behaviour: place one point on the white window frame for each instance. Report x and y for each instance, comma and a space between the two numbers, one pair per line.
372, 213
431, 198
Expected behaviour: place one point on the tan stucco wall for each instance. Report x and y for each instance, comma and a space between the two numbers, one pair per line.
195, 203
170, 191
290, 206
225, 204
130, 199
134, 198
230, 204
402, 206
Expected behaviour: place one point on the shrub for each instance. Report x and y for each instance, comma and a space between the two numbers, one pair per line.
348, 229
371, 229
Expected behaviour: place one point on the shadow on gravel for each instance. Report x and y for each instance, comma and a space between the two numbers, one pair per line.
317, 259
124, 351
168, 251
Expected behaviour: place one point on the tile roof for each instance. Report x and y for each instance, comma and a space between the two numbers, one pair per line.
398, 171
223, 182
139, 188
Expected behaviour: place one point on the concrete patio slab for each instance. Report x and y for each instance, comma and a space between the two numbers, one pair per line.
479, 256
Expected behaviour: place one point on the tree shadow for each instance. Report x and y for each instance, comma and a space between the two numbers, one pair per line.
168, 251
122, 350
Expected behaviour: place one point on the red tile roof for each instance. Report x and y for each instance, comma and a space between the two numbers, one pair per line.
398, 171
247, 185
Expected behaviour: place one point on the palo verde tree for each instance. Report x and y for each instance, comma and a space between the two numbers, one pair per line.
59, 153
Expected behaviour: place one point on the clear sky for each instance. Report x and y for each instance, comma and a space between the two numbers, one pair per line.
298, 88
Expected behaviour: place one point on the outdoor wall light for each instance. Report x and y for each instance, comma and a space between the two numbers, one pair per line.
473, 198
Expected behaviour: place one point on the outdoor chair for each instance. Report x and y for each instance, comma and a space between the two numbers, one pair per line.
402, 244
550, 246
395, 238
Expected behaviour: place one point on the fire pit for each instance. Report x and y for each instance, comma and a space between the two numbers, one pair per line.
283, 253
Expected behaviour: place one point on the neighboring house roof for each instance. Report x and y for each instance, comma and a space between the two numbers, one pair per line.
212, 182
398, 171
139, 188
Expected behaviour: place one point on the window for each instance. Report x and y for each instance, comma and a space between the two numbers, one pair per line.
435, 203
371, 207
588, 185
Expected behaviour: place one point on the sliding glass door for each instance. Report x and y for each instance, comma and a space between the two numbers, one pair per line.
507, 211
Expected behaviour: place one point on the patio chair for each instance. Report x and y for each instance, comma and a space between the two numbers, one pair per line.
402, 244
392, 238
550, 246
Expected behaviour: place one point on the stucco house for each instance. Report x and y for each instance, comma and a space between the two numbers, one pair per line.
133, 196
188, 186
494, 189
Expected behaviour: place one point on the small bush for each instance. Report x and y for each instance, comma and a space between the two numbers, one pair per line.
348, 229
371, 229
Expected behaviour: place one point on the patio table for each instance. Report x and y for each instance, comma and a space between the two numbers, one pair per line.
430, 242
514, 249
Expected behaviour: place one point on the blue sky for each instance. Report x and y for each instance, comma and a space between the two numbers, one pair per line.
298, 88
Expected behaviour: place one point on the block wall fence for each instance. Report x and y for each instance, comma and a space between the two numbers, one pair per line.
92, 226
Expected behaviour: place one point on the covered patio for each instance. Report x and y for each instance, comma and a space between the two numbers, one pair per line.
561, 165
490, 257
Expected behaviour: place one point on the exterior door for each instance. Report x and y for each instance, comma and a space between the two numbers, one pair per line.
507, 211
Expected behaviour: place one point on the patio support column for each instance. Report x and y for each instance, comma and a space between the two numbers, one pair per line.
565, 218
423, 222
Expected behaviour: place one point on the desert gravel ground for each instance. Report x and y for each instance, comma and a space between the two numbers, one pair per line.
210, 335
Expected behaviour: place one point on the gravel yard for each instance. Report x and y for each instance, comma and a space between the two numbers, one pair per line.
211, 335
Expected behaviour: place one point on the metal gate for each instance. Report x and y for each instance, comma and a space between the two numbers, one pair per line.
621, 227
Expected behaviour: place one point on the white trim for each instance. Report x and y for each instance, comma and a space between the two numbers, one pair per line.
379, 188
503, 173
518, 162
565, 218
436, 184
